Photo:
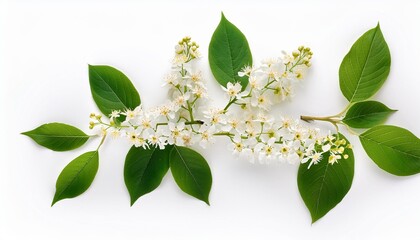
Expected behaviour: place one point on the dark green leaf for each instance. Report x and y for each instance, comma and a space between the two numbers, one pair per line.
112, 90
228, 53
323, 185
77, 176
58, 136
367, 114
191, 172
394, 149
144, 170
365, 68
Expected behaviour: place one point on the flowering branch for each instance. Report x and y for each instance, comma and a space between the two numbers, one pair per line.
162, 137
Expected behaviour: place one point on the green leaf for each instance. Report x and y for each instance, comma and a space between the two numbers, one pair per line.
77, 176
365, 68
394, 149
228, 53
323, 185
367, 114
112, 90
58, 136
191, 172
144, 170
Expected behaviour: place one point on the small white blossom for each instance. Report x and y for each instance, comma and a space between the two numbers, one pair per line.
233, 90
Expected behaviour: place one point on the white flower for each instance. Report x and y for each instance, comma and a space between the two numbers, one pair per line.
237, 146
255, 82
233, 90
315, 159
194, 77
199, 91
205, 135
260, 101
326, 147
115, 133
171, 79
264, 118
186, 139
286, 122
175, 132
136, 139
145, 122
245, 71
287, 58
266, 150
333, 158
115, 114
166, 111
130, 115
180, 59
181, 99
233, 124
215, 116
299, 72
156, 139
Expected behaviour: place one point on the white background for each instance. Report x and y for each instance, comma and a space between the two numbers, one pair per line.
45, 47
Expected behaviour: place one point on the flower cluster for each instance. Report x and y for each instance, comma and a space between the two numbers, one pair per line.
185, 119
273, 81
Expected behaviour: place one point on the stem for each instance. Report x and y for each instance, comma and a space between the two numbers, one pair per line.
229, 103
186, 123
298, 62
312, 118
325, 119
190, 111
223, 134
102, 141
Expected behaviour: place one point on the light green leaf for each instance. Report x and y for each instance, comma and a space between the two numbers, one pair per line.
144, 170
191, 172
77, 176
112, 90
367, 114
58, 136
323, 185
394, 149
365, 68
228, 53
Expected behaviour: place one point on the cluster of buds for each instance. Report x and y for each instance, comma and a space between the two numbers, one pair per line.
95, 120
337, 148
185, 51
304, 55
